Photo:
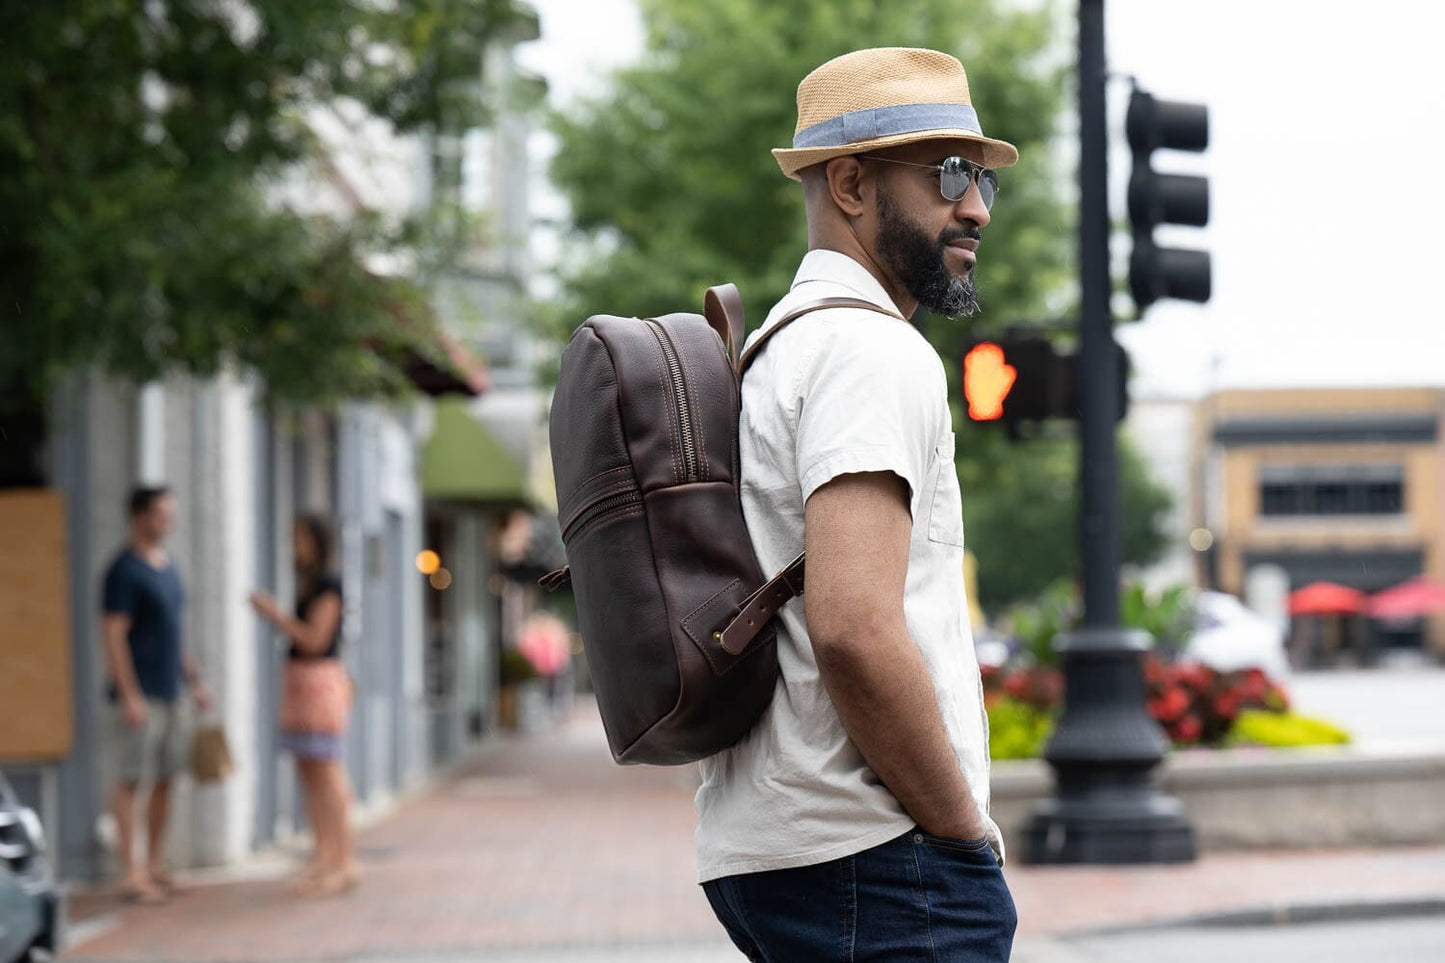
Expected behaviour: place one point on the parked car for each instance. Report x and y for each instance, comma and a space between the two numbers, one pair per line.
29, 899
1228, 637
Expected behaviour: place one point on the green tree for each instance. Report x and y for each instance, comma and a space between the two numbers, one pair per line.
1021, 517
138, 146
673, 187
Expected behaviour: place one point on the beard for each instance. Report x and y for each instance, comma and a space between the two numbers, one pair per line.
917, 261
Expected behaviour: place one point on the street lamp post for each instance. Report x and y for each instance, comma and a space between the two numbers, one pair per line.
1105, 808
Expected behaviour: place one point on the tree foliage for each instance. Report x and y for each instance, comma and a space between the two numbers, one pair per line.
669, 170
1021, 514
139, 142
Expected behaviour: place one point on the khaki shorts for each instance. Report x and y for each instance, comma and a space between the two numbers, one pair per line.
157, 751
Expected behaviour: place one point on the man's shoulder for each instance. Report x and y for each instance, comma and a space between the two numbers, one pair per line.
122, 564
887, 348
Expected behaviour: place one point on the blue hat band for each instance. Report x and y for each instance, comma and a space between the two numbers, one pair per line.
875, 122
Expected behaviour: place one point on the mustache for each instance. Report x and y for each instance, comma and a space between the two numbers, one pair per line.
958, 234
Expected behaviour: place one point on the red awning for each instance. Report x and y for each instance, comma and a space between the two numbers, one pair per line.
1326, 598
1419, 596
455, 371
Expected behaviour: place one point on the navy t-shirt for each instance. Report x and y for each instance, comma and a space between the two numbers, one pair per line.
153, 599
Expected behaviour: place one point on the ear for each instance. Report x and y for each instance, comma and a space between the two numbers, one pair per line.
850, 185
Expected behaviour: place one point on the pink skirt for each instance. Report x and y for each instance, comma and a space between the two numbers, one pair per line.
315, 697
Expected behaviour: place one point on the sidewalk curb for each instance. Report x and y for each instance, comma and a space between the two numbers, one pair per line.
1289, 914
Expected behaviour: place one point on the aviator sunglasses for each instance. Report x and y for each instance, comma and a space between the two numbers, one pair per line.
954, 176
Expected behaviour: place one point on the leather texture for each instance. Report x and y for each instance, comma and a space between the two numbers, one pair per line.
674, 611
723, 308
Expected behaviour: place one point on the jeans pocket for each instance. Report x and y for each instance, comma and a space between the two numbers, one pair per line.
965, 847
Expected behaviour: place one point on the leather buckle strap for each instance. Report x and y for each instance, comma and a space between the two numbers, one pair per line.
761, 606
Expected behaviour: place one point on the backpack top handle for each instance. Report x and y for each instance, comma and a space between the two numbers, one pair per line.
723, 308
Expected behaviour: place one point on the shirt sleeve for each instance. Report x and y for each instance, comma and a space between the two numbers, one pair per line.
873, 398
328, 583
118, 592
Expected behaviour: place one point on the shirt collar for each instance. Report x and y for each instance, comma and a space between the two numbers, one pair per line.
837, 268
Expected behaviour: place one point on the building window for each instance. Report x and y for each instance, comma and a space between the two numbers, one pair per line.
1308, 490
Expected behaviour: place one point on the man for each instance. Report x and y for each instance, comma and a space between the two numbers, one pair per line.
141, 632
852, 822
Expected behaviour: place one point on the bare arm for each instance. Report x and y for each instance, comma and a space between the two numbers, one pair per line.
858, 529
114, 627
312, 635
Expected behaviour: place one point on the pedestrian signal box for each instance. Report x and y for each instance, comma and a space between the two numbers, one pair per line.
987, 380
1015, 378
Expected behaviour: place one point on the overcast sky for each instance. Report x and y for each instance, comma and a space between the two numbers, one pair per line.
1325, 164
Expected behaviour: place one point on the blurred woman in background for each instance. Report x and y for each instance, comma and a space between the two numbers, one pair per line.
315, 702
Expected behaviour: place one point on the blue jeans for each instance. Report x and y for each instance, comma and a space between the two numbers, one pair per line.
917, 897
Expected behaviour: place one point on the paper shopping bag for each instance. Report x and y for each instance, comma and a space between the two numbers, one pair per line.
211, 759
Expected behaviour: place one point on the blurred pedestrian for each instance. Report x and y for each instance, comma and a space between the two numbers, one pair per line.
142, 602
315, 701
853, 819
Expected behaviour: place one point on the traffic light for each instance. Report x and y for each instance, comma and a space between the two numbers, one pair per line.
1018, 378
1014, 379
1155, 198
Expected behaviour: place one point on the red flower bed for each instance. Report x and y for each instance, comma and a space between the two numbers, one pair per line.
1193, 703
1197, 705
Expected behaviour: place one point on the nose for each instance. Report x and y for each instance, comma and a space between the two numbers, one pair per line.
970, 207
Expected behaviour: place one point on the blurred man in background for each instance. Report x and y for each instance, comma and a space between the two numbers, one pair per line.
142, 602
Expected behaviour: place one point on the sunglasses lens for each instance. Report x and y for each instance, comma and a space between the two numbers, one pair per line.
987, 187
954, 177
956, 174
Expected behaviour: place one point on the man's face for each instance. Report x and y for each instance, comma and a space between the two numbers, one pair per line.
155, 522
924, 240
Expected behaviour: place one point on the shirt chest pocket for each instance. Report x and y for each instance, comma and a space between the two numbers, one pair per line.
945, 514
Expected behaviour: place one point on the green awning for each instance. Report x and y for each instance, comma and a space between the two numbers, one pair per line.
463, 462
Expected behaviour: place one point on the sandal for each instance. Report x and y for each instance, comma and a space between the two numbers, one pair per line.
143, 894
336, 882
165, 882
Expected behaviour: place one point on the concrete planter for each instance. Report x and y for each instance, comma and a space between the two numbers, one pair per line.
1275, 798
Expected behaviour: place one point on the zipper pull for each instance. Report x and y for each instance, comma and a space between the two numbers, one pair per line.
552, 581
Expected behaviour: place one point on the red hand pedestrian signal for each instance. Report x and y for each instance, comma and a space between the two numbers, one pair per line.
987, 380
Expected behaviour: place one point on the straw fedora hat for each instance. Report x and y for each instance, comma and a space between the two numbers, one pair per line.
884, 97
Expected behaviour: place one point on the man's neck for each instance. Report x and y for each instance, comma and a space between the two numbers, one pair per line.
848, 246
147, 550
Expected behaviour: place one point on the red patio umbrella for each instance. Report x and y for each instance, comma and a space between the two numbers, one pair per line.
1326, 598
1412, 599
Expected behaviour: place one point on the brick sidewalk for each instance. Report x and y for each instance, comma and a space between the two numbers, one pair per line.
542, 842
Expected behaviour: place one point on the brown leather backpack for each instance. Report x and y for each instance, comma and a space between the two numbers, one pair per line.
674, 611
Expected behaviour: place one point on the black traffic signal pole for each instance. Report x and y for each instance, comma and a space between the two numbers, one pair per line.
1099, 534
1105, 808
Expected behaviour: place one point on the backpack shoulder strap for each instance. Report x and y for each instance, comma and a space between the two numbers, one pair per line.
822, 303
767, 601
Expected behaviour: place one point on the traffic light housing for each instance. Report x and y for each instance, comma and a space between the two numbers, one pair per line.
1157, 198
1014, 379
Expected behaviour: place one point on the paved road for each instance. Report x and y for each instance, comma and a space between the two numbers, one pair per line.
1380, 941
1378, 706
1387, 941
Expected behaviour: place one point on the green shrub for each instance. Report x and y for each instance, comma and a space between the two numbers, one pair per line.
1254, 727
1017, 730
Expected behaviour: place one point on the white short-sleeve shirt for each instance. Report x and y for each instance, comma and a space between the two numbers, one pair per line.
840, 391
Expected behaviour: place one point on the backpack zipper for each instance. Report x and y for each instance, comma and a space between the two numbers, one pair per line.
598, 509
679, 399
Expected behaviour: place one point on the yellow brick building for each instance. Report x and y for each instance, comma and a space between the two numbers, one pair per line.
1343, 485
